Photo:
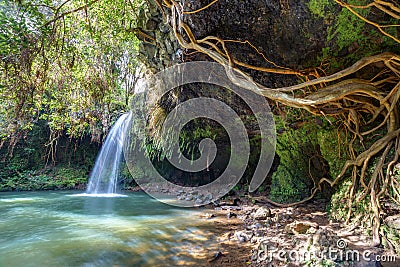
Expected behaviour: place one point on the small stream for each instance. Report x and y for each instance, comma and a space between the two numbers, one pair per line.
65, 229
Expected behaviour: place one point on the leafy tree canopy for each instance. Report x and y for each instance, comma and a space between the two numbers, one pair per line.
71, 63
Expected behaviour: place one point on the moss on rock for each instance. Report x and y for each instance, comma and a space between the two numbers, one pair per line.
333, 147
300, 161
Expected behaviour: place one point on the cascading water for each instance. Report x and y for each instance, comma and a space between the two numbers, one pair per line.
104, 177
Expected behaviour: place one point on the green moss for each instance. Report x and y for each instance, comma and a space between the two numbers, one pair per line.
349, 29
334, 149
288, 186
349, 38
70, 178
321, 8
313, 150
337, 207
291, 181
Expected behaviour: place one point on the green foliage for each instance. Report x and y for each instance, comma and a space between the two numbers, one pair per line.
18, 26
73, 70
55, 179
189, 139
236, 188
261, 189
26, 169
61, 75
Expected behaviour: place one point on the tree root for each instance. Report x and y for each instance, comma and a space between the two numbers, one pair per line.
349, 99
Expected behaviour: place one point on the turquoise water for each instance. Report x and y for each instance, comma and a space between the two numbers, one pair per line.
63, 229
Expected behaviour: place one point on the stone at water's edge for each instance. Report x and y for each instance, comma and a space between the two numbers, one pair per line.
243, 236
300, 227
262, 213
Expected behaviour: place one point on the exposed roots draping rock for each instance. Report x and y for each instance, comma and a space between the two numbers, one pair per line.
341, 95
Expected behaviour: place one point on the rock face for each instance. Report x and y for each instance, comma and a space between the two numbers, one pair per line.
159, 49
285, 32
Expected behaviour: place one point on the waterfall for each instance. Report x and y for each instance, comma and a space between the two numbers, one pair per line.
104, 176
